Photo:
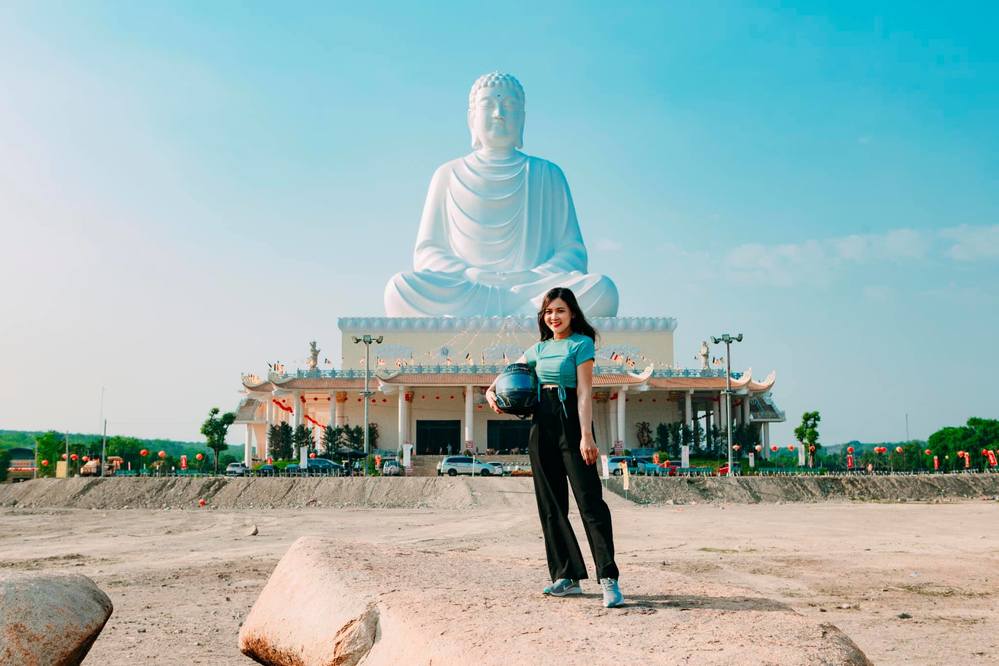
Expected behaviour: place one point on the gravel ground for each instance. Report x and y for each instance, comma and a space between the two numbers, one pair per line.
910, 583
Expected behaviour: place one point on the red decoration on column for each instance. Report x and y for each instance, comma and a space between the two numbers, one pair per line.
849, 461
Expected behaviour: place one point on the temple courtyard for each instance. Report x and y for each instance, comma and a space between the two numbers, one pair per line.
911, 583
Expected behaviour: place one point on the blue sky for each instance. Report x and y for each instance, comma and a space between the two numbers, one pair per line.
188, 190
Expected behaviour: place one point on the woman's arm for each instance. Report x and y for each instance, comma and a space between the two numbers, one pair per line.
584, 398
491, 391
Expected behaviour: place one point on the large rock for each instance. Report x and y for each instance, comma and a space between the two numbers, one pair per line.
49, 619
334, 603
308, 614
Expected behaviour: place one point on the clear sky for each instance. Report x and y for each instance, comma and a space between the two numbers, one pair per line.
189, 190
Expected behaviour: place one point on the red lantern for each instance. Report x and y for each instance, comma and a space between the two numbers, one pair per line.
898, 449
312, 455
928, 452
849, 449
45, 463
202, 502
86, 458
74, 457
790, 447
774, 448
162, 454
736, 447
270, 460
758, 448
144, 453
811, 449
63, 456
200, 456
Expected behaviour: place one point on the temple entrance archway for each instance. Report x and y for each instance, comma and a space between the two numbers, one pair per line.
438, 437
503, 436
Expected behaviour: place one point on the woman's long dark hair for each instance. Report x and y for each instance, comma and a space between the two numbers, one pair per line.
578, 323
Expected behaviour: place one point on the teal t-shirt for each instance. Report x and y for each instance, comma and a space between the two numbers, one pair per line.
555, 361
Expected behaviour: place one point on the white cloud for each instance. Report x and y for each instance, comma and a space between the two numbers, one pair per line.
607, 245
972, 243
817, 261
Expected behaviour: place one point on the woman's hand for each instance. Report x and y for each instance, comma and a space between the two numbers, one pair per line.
491, 399
588, 448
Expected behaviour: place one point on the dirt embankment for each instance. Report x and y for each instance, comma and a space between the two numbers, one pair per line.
755, 489
265, 493
465, 493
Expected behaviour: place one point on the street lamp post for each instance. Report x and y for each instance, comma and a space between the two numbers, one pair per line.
367, 340
728, 340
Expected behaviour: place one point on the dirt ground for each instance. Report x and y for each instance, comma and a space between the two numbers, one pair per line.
910, 583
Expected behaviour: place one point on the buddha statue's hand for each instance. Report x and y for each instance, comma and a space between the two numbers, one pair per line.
498, 278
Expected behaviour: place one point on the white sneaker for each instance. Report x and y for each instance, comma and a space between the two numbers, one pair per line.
612, 593
563, 587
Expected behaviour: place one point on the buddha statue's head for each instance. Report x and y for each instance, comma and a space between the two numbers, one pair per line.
496, 113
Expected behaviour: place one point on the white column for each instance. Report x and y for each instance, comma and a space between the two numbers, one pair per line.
331, 417
403, 417
303, 456
612, 421
469, 419
340, 416
745, 408
247, 449
688, 413
622, 423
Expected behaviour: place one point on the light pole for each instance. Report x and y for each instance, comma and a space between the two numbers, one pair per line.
728, 340
367, 340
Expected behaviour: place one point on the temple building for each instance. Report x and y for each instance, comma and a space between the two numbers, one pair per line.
498, 231
428, 378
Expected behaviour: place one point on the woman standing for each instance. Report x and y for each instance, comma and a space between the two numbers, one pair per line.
563, 451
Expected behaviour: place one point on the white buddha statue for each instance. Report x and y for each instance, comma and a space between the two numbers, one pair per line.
499, 228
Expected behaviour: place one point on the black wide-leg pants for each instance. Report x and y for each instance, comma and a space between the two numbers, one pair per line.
556, 463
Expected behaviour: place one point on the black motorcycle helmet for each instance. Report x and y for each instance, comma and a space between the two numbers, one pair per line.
517, 390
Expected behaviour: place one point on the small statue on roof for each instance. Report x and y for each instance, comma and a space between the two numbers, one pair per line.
704, 354
313, 361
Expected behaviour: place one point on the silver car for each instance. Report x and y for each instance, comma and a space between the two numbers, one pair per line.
455, 465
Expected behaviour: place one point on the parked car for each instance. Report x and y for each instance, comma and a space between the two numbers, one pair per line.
266, 470
615, 464
293, 470
237, 469
391, 468
324, 467
455, 465
500, 470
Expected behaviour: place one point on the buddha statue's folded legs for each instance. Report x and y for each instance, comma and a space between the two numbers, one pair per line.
429, 294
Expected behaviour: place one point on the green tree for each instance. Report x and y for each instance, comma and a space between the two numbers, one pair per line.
5, 463
127, 448
302, 439
334, 439
50, 446
214, 429
808, 432
281, 437
643, 433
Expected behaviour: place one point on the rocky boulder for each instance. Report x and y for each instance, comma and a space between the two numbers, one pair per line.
309, 614
49, 619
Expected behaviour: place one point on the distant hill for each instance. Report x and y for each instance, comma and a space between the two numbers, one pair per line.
26, 438
863, 447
